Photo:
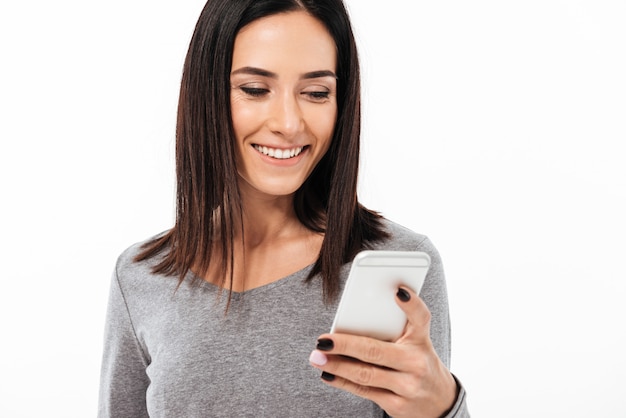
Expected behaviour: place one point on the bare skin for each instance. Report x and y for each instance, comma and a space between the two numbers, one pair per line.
276, 244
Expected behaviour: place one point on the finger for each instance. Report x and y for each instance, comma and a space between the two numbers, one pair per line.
366, 349
377, 395
364, 376
391, 390
357, 372
418, 326
386, 355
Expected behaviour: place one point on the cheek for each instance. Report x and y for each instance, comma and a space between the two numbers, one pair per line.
325, 126
247, 116
239, 115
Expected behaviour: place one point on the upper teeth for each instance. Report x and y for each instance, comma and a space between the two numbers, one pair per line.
279, 153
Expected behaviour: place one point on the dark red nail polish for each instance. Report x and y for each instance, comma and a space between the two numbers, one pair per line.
325, 344
403, 295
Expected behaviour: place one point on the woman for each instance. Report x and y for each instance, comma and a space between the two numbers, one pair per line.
267, 224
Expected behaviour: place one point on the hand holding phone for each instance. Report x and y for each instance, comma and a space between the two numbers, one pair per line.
367, 306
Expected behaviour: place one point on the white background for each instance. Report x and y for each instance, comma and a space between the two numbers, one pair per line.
495, 127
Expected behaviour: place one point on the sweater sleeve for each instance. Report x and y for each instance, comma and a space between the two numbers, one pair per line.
123, 379
435, 294
459, 410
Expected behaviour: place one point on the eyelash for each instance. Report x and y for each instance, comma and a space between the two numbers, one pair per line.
254, 91
317, 95
260, 92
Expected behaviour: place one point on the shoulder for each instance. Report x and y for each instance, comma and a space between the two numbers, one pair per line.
403, 239
141, 291
131, 273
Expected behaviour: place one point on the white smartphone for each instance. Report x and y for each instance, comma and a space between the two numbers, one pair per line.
368, 303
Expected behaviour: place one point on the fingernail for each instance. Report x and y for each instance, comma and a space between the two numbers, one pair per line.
318, 358
328, 377
403, 295
325, 344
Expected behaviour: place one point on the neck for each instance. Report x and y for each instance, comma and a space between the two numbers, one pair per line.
266, 219
271, 244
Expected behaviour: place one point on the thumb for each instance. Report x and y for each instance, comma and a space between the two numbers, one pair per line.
418, 316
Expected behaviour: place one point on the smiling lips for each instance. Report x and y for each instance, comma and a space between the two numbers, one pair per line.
279, 154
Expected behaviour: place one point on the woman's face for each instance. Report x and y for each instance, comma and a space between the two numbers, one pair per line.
283, 101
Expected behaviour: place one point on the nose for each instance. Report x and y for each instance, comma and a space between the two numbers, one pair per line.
286, 117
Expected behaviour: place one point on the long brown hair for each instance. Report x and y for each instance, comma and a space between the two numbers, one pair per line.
208, 199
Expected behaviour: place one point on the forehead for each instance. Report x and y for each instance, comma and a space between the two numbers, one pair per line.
289, 41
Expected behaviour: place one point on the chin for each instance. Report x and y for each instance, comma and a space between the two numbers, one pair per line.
276, 189
279, 191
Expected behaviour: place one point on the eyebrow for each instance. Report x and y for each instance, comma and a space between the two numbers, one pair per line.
264, 73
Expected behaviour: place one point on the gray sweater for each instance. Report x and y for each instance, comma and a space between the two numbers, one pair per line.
175, 353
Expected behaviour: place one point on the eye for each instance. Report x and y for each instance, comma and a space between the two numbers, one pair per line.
254, 91
317, 96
